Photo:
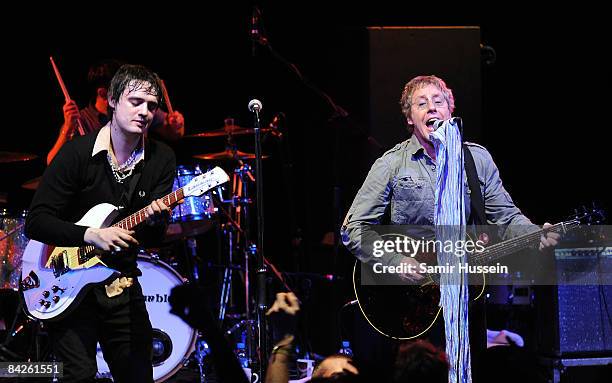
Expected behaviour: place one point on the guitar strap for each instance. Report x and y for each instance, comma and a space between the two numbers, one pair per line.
477, 214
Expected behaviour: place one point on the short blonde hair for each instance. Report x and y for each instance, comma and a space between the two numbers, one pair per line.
419, 82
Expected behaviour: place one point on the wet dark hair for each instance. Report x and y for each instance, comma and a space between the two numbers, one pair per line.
133, 78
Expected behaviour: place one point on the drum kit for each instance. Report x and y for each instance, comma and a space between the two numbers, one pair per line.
175, 343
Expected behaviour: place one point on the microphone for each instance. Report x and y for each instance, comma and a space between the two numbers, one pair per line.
437, 123
255, 105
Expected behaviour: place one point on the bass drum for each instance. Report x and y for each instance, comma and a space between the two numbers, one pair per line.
173, 339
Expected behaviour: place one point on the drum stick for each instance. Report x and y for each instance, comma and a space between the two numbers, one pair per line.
65, 91
166, 98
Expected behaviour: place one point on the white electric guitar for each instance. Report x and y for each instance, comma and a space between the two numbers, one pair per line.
53, 288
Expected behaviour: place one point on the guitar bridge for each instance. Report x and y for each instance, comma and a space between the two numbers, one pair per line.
59, 264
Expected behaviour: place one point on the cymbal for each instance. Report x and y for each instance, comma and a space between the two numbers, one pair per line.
228, 130
227, 155
31, 184
15, 157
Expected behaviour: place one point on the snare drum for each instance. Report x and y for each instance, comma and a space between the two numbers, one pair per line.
173, 339
12, 244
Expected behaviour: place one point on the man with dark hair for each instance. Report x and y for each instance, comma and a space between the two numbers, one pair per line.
120, 166
168, 127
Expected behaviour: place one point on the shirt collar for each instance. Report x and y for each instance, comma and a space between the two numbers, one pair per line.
414, 146
103, 141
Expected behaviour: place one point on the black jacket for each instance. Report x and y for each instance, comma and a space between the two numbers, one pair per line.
75, 182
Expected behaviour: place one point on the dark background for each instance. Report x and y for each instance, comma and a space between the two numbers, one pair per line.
544, 101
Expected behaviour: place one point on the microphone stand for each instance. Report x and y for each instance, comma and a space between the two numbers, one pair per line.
258, 36
262, 269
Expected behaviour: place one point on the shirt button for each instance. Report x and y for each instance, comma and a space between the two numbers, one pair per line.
433, 167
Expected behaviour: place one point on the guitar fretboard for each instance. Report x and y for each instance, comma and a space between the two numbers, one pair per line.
497, 251
137, 218
84, 253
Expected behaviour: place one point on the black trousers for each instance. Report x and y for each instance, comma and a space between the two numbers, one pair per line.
121, 325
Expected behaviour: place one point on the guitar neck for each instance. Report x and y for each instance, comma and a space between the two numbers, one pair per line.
500, 250
137, 218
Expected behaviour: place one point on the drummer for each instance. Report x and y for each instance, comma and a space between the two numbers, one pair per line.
168, 127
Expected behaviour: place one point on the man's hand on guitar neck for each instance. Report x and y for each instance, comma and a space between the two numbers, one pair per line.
549, 239
157, 213
110, 238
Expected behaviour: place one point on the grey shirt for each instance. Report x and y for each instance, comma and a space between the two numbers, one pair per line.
404, 178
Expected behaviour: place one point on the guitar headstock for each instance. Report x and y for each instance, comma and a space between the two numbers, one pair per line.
589, 215
204, 182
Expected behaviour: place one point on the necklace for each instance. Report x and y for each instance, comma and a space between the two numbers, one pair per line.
123, 171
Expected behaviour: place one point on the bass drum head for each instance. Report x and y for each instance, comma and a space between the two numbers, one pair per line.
173, 339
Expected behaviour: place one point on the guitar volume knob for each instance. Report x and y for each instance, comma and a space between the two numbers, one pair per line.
46, 294
55, 289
